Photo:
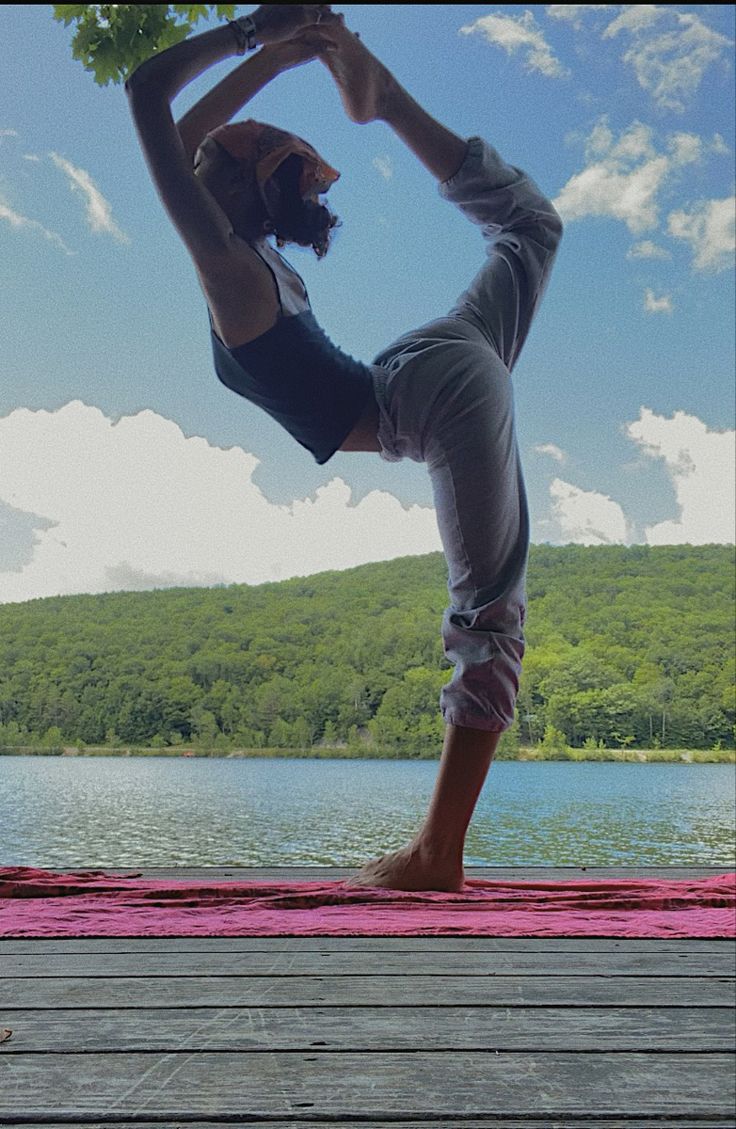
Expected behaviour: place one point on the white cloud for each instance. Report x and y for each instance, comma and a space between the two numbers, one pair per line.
622, 181
702, 467
670, 52
31, 157
384, 166
23, 223
626, 174
97, 208
520, 33
573, 13
587, 517
600, 140
686, 148
102, 527
553, 451
654, 305
710, 229
635, 18
647, 250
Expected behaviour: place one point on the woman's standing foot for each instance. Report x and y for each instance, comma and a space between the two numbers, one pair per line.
414, 867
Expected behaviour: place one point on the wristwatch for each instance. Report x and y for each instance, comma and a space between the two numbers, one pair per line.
245, 33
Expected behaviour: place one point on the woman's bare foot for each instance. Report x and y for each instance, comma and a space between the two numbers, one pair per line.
411, 868
364, 83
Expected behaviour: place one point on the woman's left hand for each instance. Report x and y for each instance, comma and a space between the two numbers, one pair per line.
277, 22
311, 44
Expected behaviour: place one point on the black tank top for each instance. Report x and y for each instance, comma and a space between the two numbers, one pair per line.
294, 372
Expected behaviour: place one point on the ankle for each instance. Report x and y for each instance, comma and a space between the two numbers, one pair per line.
439, 849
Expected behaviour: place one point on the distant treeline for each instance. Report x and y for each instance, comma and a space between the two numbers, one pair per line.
626, 647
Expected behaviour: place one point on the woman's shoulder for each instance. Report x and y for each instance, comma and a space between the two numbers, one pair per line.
241, 312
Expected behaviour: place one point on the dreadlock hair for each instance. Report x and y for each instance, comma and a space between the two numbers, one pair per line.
295, 220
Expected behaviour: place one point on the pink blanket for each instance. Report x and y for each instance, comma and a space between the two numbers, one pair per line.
90, 903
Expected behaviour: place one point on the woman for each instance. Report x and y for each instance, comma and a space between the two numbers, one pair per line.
441, 394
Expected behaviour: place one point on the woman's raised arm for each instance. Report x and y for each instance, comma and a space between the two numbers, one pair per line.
221, 103
171, 70
200, 221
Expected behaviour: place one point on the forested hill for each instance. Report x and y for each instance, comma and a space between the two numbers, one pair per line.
628, 646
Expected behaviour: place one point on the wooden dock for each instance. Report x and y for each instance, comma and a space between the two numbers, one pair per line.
383, 1033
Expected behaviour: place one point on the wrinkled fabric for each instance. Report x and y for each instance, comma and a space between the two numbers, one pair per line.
92, 903
445, 397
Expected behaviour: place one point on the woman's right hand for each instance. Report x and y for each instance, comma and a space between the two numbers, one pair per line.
313, 43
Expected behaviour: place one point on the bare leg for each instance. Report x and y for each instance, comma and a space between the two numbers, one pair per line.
434, 858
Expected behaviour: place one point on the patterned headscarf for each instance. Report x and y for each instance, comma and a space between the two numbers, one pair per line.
263, 148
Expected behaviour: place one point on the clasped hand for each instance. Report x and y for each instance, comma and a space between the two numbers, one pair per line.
295, 33
275, 23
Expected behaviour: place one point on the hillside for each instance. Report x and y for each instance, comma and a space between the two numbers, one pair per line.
626, 646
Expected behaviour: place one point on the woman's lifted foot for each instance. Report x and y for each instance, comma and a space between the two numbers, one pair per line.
364, 83
414, 867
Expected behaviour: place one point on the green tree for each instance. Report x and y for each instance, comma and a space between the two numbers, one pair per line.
205, 729
359, 651
408, 718
554, 740
111, 40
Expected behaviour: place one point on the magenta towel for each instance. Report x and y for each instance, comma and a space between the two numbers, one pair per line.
91, 903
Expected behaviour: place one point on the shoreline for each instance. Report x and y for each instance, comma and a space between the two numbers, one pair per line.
621, 756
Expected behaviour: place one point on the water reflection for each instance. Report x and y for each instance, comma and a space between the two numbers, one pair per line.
109, 812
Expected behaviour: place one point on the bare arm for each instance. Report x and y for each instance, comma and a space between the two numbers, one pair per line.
202, 224
171, 70
241, 85
224, 100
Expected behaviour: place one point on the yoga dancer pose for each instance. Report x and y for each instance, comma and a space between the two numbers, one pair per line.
440, 394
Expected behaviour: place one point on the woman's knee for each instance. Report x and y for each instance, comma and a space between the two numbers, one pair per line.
485, 643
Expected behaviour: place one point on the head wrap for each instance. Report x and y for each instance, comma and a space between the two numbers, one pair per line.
263, 148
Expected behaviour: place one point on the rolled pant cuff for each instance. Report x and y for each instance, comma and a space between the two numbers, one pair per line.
487, 724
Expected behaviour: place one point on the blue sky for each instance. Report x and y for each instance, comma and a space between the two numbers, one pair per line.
123, 462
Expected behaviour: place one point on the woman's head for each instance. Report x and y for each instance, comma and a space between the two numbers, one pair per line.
268, 182
297, 218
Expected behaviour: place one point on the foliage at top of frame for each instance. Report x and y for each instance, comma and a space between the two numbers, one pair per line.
111, 40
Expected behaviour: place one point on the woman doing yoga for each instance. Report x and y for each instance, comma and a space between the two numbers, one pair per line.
440, 394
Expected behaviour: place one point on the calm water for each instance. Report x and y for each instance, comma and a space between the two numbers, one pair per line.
109, 812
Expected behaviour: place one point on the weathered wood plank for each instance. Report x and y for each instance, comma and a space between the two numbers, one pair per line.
457, 945
367, 991
192, 1040
503, 1123
371, 1029
347, 1086
369, 964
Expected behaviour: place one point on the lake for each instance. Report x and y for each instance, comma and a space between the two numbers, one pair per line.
91, 812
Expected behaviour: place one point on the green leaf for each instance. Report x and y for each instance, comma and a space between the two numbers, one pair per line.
111, 40
192, 12
69, 12
173, 34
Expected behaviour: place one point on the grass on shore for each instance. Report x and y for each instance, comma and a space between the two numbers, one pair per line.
533, 753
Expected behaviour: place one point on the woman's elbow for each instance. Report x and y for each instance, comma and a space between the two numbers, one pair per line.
553, 226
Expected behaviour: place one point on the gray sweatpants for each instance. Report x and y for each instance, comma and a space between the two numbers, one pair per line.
445, 398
